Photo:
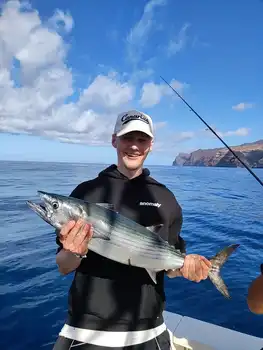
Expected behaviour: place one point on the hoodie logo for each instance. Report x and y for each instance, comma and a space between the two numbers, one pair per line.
150, 204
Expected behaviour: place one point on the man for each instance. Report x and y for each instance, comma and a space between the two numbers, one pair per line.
108, 297
255, 294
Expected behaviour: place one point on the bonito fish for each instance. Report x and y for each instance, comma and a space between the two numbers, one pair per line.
120, 239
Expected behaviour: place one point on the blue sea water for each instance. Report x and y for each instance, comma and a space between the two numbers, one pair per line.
221, 206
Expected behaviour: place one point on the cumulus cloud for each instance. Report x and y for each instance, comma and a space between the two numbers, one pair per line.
107, 92
151, 93
36, 83
242, 106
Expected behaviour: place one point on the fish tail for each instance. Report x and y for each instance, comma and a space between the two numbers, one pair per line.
217, 262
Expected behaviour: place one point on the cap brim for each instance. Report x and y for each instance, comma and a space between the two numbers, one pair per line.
135, 126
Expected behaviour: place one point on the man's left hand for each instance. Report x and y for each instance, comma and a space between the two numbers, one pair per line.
195, 268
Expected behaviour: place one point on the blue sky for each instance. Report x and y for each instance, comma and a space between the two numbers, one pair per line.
67, 68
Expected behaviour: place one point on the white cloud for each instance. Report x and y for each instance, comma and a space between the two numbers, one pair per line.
178, 43
60, 18
242, 106
36, 83
160, 125
170, 140
15, 31
139, 34
107, 92
151, 93
184, 135
197, 42
238, 132
140, 75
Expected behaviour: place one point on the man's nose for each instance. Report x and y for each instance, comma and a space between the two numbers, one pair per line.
134, 146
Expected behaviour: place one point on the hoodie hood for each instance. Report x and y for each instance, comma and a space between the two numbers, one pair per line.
112, 171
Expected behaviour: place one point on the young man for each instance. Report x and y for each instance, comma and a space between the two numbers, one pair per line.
112, 305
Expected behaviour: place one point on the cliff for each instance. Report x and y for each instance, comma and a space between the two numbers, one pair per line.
250, 153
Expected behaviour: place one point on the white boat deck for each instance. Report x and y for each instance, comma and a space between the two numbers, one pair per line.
192, 334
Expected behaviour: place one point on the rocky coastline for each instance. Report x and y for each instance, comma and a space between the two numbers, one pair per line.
250, 153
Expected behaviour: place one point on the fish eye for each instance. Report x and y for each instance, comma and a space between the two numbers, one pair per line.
55, 205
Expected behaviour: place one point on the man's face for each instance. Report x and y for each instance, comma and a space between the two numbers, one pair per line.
132, 149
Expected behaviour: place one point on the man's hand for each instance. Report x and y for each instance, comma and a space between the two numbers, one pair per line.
75, 236
195, 268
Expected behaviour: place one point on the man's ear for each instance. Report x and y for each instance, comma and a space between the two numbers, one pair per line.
114, 140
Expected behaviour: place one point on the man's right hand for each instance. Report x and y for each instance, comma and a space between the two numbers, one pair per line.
75, 236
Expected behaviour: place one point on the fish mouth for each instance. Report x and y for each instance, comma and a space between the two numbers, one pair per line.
40, 209
44, 208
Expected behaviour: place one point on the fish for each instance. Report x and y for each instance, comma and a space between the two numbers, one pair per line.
121, 239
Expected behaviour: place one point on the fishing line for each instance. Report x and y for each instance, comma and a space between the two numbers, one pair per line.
213, 131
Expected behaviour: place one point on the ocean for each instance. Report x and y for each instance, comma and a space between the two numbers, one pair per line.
221, 206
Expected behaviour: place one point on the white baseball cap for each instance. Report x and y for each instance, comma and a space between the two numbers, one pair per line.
133, 120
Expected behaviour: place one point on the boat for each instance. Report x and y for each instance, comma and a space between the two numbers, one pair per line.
192, 334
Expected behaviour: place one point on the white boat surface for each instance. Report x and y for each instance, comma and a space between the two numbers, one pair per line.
193, 334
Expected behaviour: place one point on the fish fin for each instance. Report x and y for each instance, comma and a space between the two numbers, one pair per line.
155, 228
217, 262
100, 231
106, 205
100, 236
152, 274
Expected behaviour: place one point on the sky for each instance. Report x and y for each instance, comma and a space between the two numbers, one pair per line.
67, 68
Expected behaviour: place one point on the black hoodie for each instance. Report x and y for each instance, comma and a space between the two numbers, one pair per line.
112, 296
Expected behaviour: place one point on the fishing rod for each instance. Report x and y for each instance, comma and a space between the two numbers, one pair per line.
213, 131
